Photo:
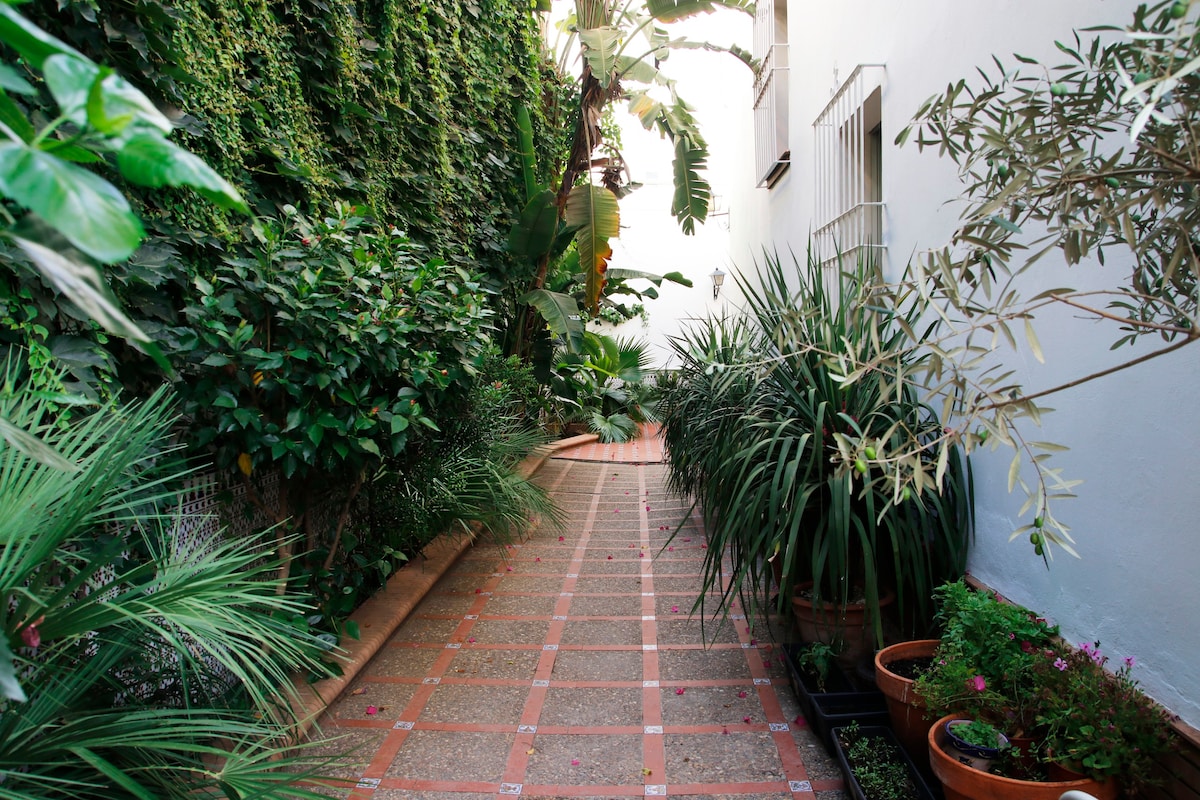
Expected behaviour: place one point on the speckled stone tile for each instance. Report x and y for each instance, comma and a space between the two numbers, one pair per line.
402, 661
604, 759
465, 584
712, 705
592, 707
457, 755
502, 605
482, 705
528, 584
830, 794
389, 699
688, 631
503, 631
422, 630
475, 565
597, 665
440, 604
623, 566
494, 664
708, 664
673, 606
820, 765
606, 606
602, 631
722, 758
679, 566
353, 747
608, 585
413, 794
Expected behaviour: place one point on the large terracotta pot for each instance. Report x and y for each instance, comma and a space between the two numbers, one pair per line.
905, 708
829, 623
960, 782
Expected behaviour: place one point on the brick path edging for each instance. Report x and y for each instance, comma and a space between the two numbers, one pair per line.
384, 612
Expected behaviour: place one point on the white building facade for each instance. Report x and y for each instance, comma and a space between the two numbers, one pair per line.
840, 81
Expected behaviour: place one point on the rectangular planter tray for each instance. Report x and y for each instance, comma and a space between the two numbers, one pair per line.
923, 790
840, 703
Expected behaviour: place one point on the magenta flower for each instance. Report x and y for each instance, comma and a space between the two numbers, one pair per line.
977, 683
679, 690
372, 711
1060, 664
30, 635
1130, 661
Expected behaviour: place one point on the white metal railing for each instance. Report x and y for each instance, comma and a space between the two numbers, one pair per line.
772, 153
848, 170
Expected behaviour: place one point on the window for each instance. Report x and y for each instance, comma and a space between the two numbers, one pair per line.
771, 151
848, 141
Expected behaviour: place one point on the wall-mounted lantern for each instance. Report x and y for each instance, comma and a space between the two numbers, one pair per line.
718, 278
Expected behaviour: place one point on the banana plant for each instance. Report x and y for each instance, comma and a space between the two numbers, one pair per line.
619, 46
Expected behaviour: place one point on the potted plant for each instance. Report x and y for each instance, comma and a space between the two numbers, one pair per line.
897, 667
1067, 715
829, 697
875, 766
801, 469
977, 743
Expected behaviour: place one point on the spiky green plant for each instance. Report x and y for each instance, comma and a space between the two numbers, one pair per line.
133, 666
804, 467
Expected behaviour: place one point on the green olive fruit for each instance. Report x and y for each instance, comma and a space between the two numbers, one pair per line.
1038, 549
1058, 89
982, 433
1037, 522
906, 494
1002, 171
1035, 538
1141, 78
869, 452
1179, 10
860, 466
1113, 183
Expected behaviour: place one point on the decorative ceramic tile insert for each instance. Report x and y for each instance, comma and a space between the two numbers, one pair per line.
403, 726
454, 646
649, 684
558, 618
762, 681
549, 647
368, 783
527, 729
649, 647
656, 790
652, 729
431, 680
541, 682
510, 788
781, 727
799, 786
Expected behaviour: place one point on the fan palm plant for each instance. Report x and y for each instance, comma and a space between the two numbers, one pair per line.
790, 425
133, 665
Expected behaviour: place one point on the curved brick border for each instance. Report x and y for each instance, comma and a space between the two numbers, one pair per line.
380, 616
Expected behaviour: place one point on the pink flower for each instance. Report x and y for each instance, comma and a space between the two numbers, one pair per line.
509, 569
679, 690
674, 609
562, 539
575, 761
610, 558
1130, 661
538, 559
1060, 664
372, 711
30, 634
670, 549
471, 640
746, 720
977, 683
742, 694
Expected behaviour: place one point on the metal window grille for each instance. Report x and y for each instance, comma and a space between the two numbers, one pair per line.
772, 154
848, 171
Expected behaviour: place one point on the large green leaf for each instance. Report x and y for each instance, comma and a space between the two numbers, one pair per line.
528, 156
533, 233
34, 44
150, 160
84, 285
109, 107
561, 313
692, 191
84, 207
675, 10
594, 212
600, 51
32, 446
637, 274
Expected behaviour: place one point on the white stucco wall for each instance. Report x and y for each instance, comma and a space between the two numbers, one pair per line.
1136, 587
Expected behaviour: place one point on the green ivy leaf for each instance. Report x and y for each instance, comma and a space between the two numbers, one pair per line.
11, 81
150, 160
84, 207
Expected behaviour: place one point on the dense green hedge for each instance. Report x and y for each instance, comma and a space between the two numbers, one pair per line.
406, 107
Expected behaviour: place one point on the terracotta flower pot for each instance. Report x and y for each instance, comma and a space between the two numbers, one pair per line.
905, 708
850, 625
960, 782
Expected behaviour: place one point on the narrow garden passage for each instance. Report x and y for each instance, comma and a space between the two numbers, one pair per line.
567, 666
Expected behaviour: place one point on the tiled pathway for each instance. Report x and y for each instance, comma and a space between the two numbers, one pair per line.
567, 666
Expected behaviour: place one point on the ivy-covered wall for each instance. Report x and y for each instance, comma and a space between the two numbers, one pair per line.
408, 107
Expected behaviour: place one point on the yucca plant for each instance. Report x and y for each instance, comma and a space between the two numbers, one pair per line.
792, 426
133, 665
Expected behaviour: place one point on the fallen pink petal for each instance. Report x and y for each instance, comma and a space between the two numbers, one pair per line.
575, 761
674, 609
746, 720
471, 640
372, 711
679, 690
742, 693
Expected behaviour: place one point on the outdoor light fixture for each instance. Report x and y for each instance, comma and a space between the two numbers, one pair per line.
718, 278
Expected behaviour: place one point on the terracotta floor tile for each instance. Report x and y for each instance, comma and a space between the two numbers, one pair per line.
560, 677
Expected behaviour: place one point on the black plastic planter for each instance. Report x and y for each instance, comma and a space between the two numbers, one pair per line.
920, 789
838, 702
